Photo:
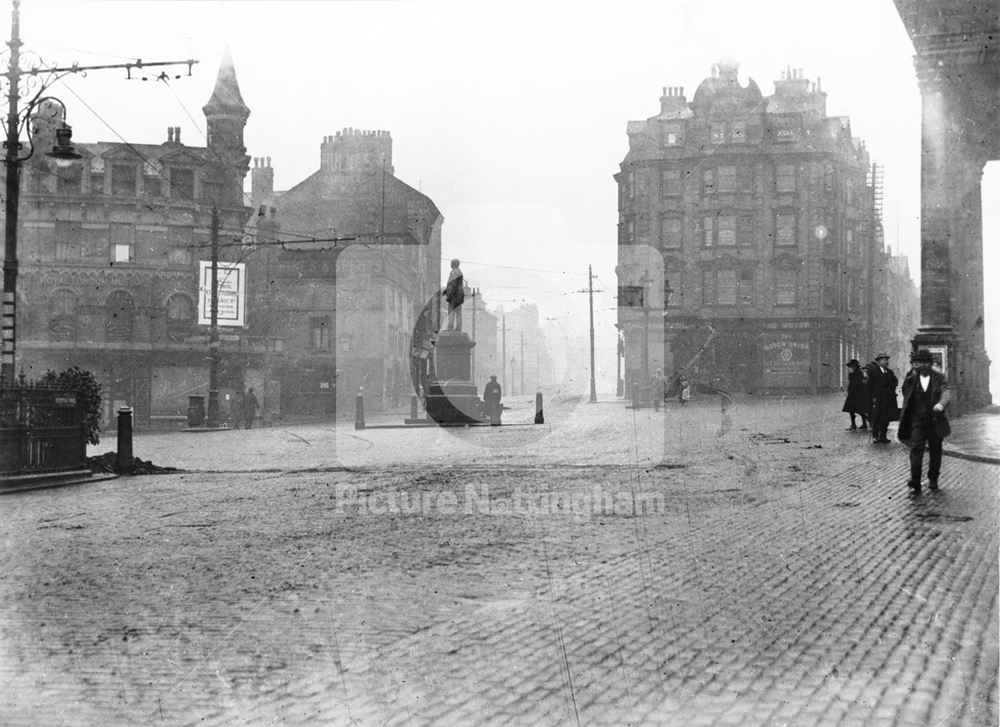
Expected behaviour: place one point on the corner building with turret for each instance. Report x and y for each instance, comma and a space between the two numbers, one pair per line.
109, 249
749, 236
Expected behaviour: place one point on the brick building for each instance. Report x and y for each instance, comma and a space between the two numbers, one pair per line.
109, 249
748, 240
340, 297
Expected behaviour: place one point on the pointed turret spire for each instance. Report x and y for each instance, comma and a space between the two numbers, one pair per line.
226, 98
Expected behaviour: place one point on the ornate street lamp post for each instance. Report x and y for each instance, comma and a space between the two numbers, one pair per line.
38, 78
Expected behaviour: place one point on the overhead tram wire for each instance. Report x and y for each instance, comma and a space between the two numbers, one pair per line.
515, 267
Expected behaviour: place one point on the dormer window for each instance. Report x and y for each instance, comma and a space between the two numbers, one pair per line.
70, 179
182, 184
786, 128
123, 180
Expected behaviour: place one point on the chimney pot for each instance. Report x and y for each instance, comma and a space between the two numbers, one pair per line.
170, 134
177, 134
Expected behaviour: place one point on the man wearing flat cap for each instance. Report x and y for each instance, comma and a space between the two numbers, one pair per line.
881, 390
923, 421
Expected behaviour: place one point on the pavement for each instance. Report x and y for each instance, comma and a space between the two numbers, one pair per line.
976, 435
754, 566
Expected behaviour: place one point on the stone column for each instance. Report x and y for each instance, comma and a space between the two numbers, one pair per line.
951, 251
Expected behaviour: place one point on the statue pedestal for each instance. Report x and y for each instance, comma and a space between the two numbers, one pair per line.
452, 397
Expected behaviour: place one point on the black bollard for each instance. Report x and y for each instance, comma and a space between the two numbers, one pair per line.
359, 411
539, 416
413, 407
635, 394
124, 455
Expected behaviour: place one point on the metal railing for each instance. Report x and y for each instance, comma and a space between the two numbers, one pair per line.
41, 429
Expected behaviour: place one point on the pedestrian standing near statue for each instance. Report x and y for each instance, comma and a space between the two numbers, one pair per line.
923, 421
491, 397
881, 392
250, 406
454, 293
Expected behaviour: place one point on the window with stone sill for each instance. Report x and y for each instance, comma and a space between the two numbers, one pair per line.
62, 317
708, 181
120, 316
68, 239
785, 229
747, 292
784, 178
708, 231
727, 179
319, 333
671, 182
123, 180
784, 287
745, 231
180, 316
182, 184
152, 186
725, 287
122, 236
69, 179
726, 225
672, 232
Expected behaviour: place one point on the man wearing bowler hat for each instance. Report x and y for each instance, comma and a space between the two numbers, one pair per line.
881, 389
923, 420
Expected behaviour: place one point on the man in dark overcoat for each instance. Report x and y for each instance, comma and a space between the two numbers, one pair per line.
881, 390
491, 398
923, 421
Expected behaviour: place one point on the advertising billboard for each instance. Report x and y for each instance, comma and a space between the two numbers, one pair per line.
232, 293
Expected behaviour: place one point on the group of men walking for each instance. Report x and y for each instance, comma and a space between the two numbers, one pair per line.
923, 423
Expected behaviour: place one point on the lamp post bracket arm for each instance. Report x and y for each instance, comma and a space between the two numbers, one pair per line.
136, 64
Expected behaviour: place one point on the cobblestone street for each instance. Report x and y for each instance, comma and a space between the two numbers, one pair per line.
610, 567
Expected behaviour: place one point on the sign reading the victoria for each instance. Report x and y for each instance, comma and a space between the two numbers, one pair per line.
232, 293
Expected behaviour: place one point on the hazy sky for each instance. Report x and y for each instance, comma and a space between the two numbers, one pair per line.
510, 115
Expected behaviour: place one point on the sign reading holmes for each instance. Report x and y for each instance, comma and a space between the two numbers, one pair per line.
232, 294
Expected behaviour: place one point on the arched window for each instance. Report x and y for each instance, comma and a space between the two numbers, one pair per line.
62, 316
120, 319
180, 316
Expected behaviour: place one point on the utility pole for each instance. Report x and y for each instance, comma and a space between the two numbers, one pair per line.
590, 290
16, 118
473, 352
213, 334
522, 362
503, 353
